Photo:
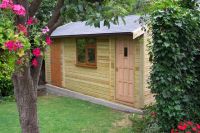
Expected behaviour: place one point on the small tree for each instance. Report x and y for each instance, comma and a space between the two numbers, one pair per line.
25, 43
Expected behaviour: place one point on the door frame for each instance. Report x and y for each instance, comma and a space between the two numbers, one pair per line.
129, 38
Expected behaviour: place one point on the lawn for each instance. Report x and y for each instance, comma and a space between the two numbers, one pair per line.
67, 115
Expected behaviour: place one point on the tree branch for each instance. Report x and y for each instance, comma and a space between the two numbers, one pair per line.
35, 4
35, 71
58, 23
56, 14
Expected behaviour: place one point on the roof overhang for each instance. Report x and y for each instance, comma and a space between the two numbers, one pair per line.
138, 32
79, 28
92, 35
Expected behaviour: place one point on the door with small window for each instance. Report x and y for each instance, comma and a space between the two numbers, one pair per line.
124, 71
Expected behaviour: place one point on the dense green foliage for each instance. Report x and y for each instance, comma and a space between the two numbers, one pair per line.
45, 12
6, 86
175, 54
148, 6
94, 11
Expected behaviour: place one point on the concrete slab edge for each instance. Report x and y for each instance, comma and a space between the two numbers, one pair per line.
68, 93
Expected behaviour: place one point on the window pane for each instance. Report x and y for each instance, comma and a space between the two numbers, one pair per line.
125, 52
81, 43
91, 55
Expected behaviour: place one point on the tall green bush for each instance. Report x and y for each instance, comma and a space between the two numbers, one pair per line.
175, 71
6, 68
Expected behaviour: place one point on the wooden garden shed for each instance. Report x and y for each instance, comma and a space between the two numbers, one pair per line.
107, 63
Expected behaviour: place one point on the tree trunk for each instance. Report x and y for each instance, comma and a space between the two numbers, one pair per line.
26, 97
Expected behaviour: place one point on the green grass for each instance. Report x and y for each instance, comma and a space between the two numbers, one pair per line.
65, 115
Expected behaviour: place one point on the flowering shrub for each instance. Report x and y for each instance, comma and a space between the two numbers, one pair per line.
19, 10
16, 40
13, 45
187, 127
16, 8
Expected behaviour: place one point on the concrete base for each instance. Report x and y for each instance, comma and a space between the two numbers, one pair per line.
68, 93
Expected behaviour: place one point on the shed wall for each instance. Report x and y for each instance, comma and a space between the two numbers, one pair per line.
56, 63
48, 65
148, 96
100, 82
90, 81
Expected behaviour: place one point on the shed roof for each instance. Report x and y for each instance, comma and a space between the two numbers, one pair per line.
81, 29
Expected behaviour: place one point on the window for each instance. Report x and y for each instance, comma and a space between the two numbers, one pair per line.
86, 52
125, 52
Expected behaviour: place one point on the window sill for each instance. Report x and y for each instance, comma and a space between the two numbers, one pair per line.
86, 66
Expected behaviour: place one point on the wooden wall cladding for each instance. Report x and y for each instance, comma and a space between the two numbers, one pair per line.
56, 63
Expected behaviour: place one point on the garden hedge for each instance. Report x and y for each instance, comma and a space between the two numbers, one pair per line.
175, 73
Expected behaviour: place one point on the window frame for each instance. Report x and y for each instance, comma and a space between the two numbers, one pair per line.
88, 46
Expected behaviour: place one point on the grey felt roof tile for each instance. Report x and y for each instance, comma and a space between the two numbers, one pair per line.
80, 28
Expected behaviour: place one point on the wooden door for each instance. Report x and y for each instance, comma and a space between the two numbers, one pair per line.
124, 71
56, 69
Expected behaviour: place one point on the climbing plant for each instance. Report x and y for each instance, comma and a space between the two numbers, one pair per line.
174, 50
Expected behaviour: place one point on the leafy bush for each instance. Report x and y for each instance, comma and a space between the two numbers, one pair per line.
146, 123
6, 86
10, 98
138, 123
175, 72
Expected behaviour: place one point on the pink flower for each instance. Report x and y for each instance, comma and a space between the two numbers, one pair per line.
182, 126
3, 6
198, 126
13, 46
45, 30
36, 52
189, 123
7, 1
18, 45
22, 28
48, 40
19, 10
6, 4
31, 21
35, 62
194, 129
10, 45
